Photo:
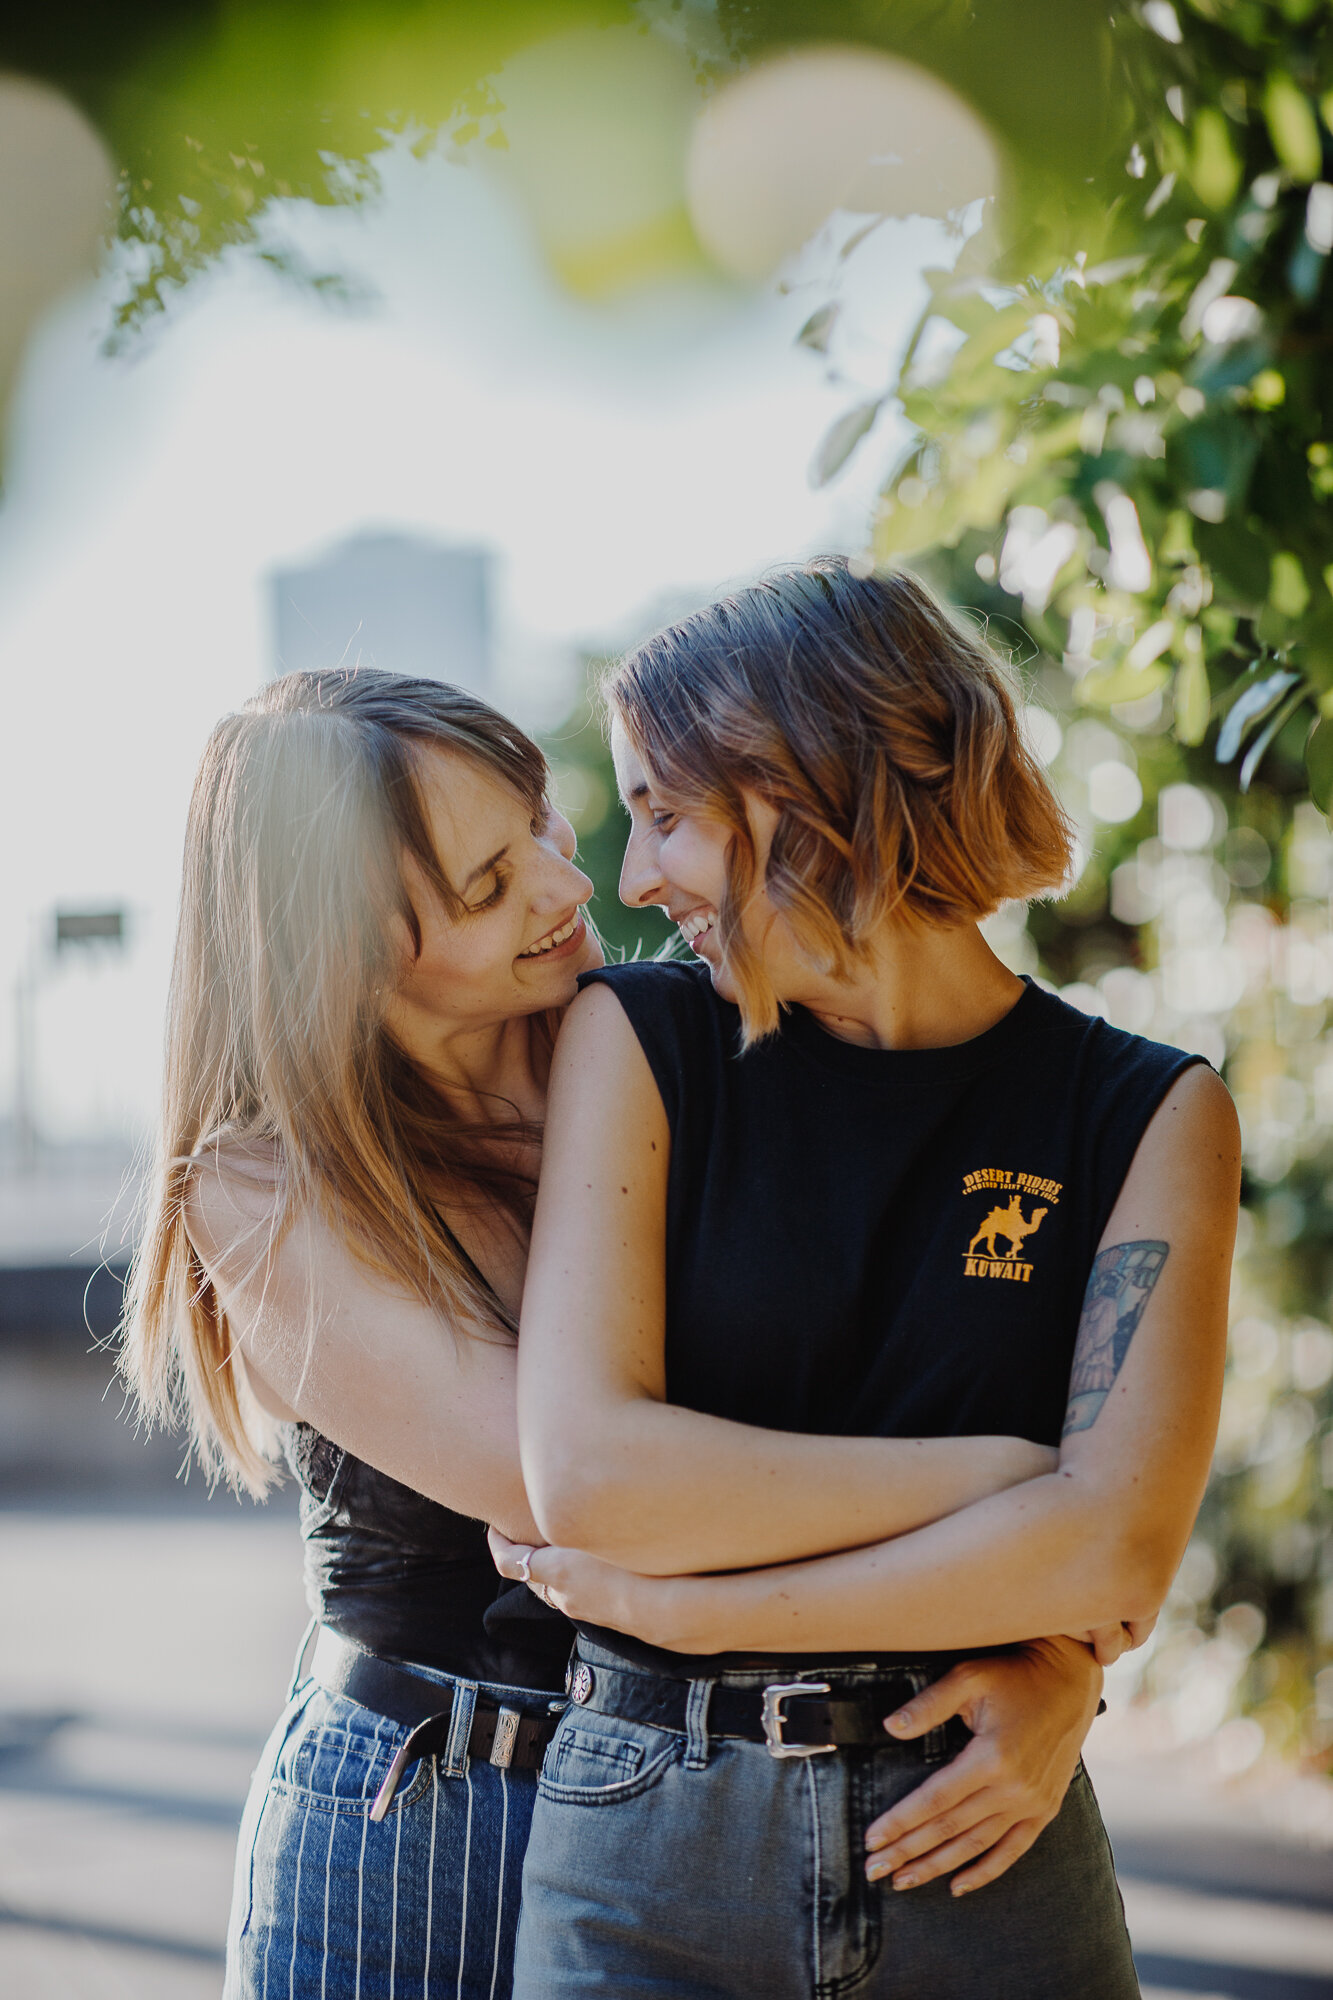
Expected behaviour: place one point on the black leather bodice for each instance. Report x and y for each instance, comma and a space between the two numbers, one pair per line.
403, 1575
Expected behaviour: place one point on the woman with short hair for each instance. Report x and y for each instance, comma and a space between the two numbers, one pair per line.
843, 1173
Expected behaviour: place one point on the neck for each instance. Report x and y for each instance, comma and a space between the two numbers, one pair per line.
920, 988
477, 1062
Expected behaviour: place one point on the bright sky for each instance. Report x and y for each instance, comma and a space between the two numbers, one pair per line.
615, 457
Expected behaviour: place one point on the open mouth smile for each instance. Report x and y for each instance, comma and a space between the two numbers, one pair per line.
569, 934
696, 925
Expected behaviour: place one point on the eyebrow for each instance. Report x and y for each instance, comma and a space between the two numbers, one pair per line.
484, 868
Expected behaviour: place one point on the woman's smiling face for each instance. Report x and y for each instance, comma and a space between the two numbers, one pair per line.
521, 940
677, 858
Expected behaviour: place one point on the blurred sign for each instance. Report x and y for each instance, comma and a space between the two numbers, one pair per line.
390, 601
89, 927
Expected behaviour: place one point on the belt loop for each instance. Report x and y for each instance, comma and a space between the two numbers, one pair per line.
460, 1728
934, 1745
299, 1662
696, 1725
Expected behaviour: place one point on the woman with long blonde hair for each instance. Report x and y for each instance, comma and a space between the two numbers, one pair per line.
381, 919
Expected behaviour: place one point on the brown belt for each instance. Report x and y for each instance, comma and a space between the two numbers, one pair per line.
510, 1737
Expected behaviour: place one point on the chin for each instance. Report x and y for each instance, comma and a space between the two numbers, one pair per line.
723, 983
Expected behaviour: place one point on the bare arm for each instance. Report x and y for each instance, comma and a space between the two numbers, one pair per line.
611, 1466
325, 1341
1095, 1542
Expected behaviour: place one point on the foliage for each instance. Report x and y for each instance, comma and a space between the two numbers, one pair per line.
212, 112
1130, 438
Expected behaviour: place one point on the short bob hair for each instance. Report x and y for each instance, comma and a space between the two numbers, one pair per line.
882, 732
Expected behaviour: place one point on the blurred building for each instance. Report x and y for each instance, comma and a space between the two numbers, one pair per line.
392, 601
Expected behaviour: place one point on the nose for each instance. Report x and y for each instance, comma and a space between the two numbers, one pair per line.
640, 876
561, 834
569, 883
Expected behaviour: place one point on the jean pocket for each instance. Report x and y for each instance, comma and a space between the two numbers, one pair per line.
581, 1757
339, 1755
610, 1760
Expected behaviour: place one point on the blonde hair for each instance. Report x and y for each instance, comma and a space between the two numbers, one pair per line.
304, 806
883, 734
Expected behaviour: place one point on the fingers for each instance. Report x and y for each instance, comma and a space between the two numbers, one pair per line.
510, 1558
999, 1858
934, 1834
1140, 1630
932, 1707
947, 1855
947, 1792
1108, 1643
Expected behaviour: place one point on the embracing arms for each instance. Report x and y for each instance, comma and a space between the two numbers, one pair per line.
323, 1340
614, 1470
1096, 1541
611, 1466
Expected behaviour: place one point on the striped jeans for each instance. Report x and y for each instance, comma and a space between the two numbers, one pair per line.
330, 1905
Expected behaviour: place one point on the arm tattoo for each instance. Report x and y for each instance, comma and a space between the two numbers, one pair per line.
1118, 1290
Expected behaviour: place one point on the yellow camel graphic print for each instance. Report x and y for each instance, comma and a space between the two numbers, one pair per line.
1011, 1224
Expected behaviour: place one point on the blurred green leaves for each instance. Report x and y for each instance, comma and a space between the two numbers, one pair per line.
1154, 385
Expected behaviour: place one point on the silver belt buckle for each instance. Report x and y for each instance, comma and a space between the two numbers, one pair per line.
773, 1719
506, 1735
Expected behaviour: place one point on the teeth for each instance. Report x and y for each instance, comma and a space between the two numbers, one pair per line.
694, 927
562, 936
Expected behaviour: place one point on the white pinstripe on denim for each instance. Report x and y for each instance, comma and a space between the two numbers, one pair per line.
426, 1901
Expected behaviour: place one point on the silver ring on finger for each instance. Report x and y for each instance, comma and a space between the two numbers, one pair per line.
523, 1564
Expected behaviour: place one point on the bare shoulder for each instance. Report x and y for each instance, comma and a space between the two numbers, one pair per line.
232, 1200
1185, 1175
597, 1043
605, 1108
594, 1010
1197, 1112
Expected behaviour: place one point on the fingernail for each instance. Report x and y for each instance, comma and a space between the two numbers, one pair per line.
961, 1888
902, 1720
905, 1881
876, 1870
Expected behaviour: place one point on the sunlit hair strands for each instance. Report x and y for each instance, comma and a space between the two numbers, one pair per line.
305, 804
882, 731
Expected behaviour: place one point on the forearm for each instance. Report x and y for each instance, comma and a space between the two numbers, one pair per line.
1046, 1557
663, 1490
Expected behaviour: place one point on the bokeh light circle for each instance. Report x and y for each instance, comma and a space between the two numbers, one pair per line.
56, 185
779, 148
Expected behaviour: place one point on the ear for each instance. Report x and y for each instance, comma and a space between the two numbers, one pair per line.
763, 818
402, 941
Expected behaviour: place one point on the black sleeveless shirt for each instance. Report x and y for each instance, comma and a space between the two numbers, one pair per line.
400, 1574
883, 1242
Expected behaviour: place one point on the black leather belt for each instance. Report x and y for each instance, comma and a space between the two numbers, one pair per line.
499, 1734
795, 1718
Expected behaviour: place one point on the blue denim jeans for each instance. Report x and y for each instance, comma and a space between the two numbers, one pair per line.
330, 1905
664, 1864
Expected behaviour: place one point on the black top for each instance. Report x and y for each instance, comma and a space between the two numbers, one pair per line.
887, 1243
402, 1575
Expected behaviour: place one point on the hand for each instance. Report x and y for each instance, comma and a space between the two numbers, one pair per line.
1029, 1711
1108, 1642
582, 1586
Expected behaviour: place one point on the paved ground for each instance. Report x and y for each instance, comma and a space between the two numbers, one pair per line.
147, 1648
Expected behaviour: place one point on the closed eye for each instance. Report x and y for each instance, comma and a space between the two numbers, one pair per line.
489, 902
